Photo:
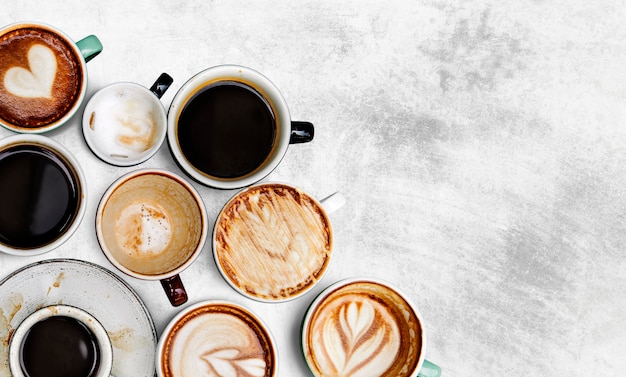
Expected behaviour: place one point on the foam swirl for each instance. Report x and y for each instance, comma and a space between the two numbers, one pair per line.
217, 345
356, 337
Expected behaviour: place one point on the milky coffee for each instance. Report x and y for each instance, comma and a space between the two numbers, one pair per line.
272, 242
216, 339
150, 224
41, 77
362, 328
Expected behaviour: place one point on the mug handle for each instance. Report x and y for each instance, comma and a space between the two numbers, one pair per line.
333, 202
175, 290
89, 47
161, 84
429, 370
301, 132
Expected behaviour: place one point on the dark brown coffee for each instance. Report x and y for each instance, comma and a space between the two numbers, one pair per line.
59, 347
41, 77
227, 130
39, 196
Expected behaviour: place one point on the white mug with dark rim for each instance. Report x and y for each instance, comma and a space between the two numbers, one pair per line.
229, 127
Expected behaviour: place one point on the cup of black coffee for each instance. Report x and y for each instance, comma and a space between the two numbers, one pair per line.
229, 127
59, 341
43, 76
43, 195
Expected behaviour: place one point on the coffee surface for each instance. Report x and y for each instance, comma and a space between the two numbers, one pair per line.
273, 241
363, 329
218, 340
227, 130
39, 196
41, 77
59, 347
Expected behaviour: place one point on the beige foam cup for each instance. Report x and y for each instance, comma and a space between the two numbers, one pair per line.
273, 242
218, 336
151, 224
100, 335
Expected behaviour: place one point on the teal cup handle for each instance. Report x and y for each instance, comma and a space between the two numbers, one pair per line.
89, 47
429, 370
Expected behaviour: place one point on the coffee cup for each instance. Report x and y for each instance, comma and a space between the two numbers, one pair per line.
229, 127
124, 123
216, 338
43, 76
362, 325
151, 224
272, 242
60, 340
43, 194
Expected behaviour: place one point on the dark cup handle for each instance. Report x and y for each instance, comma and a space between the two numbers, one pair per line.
301, 132
161, 84
174, 290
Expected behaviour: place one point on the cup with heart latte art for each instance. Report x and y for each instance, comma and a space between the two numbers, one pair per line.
365, 327
43, 76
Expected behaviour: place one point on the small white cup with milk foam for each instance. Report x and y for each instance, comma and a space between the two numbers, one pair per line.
125, 123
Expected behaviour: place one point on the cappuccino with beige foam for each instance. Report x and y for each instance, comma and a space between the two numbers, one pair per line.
41, 77
272, 242
362, 328
216, 339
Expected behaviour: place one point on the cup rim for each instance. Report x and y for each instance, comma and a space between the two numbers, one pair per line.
79, 98
200, 81
219, 266
214, 302
70, 159
89, 138
104, 342
306, 321
136, 173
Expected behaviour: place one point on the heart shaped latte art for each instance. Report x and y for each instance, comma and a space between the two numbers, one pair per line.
36, 82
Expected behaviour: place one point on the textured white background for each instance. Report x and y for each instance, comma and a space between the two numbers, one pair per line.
481, 146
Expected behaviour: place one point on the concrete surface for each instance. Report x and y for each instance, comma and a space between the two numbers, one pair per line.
481, 146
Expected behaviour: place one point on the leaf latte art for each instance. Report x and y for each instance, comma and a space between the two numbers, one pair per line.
358, 338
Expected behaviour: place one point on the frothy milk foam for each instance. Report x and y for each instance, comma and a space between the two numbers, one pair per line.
36, 81
124, 123
143, 229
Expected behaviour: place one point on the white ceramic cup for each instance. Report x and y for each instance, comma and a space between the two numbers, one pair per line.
152, 224
83, 51
124, 123
272, 242
65, 162
104, 352
286, 131
365, 325
221, 336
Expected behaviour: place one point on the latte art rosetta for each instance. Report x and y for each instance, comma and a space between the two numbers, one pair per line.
358, 338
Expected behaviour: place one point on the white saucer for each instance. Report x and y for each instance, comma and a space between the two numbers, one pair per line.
92, 288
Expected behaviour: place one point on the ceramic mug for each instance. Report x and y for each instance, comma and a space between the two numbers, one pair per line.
125, 123
272, 242
151, 224
63, 339
43, 194
365, 325
44, 76
229, 127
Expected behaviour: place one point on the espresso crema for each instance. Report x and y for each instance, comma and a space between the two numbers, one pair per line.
218, 340
40, 77
363, 329
273, 241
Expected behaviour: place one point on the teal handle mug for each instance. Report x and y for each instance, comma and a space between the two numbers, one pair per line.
362, 325
43, 76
